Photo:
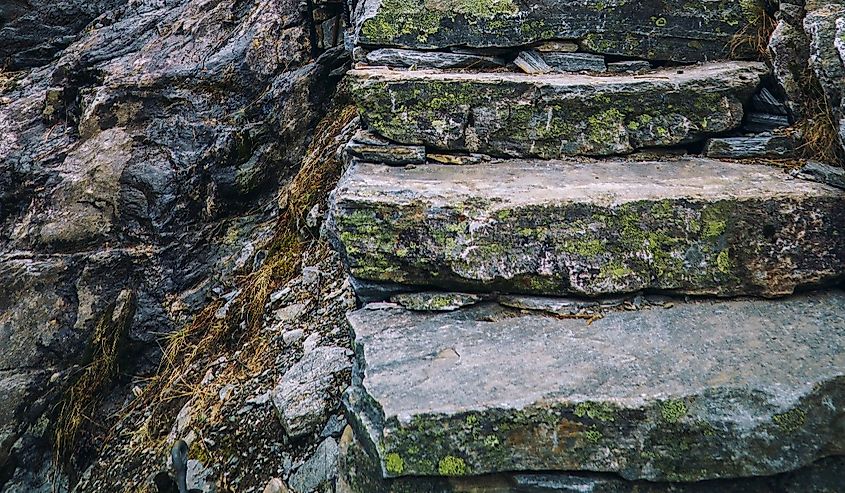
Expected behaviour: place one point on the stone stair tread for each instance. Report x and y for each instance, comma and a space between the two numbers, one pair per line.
691, 225
702, 390
552, 115
669, 30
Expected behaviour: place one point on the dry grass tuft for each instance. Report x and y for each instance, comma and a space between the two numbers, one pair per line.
83, 395
753, 38
818, 127
207, 336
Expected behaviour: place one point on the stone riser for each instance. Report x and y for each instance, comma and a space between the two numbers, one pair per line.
691, 226
550, 116
680, 30
360, 473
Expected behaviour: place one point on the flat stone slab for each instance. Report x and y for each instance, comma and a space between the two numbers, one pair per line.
430, 59
680, 30
553, 115
703, 390
694, 226
772, 146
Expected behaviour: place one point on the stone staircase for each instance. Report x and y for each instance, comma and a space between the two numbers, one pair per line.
564, 292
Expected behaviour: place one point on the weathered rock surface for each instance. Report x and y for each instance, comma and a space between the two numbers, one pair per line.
32, 31
550, 116
320, 470
656, 394
823, 173
430, 59
434, 301
773, 146
145, 156
361, 473
789, 51
554, 227
673, 30
302, 396
825, 28
374, 149
575, 62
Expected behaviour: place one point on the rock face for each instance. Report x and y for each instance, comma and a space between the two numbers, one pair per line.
825, 27
680, 30
146, 157
549, 116
554, 227
32, 31
644, 394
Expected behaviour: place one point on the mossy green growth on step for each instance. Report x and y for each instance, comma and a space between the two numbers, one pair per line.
600, 228
513, 115
682, 30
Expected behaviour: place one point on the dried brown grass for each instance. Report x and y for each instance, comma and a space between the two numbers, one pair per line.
207, 336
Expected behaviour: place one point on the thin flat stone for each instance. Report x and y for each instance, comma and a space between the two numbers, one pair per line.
765, 122
629, 66
575, 62
658, 30
696, 226
557, 47
656, 394
823, 173
390, 154
435, 301
554, 115
758, 146
531, 62
430, 59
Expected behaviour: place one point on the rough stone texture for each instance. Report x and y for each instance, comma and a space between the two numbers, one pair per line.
374, 149
554, 227
823, 173
554, 115
170, 126
680, 30
825, 27
772, 146
361, 473
430, 59
434, 301
302, 396
656, 394
32, 31
531, 62
575, 62
789, 53
629, 66
321, 468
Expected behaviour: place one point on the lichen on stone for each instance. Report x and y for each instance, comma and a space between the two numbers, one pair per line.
452, 466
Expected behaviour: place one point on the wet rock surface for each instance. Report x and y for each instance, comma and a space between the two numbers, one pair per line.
32, 32
691, 225
759, 381
142, 153
554, 115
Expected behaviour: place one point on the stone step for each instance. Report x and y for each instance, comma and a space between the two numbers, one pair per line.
360, 472
678, 30
700, 391
553, 115
692, 225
